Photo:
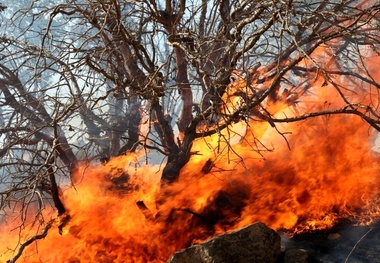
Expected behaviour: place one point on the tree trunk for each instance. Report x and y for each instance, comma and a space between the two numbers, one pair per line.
177, 161
54, 190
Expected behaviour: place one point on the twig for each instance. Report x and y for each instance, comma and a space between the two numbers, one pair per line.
354, 247
30, 241
201, 217
145, 210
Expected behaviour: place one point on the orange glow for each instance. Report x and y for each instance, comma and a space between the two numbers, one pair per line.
329, 173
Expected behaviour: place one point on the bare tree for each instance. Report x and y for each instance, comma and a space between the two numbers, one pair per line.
80, 78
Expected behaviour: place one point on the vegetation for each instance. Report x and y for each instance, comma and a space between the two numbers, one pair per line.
93, 79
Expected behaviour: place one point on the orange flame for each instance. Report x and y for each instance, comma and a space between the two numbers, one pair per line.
120, 213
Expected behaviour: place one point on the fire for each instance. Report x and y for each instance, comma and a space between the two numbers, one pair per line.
324, 171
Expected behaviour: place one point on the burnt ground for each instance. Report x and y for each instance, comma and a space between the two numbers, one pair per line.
344, 243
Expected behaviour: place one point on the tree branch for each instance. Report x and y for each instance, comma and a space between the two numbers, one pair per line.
24, 245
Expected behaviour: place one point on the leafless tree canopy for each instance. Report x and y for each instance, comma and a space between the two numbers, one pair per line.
93, 79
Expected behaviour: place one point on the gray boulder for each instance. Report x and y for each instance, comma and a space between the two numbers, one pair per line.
255, 243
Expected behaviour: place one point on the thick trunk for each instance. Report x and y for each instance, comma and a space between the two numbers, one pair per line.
133, 125
177, 161
54, 190
184, 88
55, 195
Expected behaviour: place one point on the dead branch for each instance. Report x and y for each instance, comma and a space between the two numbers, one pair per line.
24, 245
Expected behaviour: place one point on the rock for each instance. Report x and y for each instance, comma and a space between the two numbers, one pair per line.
255, 243
296, 256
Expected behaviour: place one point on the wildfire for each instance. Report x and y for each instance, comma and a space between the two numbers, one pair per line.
119, 212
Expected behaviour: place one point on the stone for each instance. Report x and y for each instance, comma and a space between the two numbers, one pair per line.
255, 243
296, 256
